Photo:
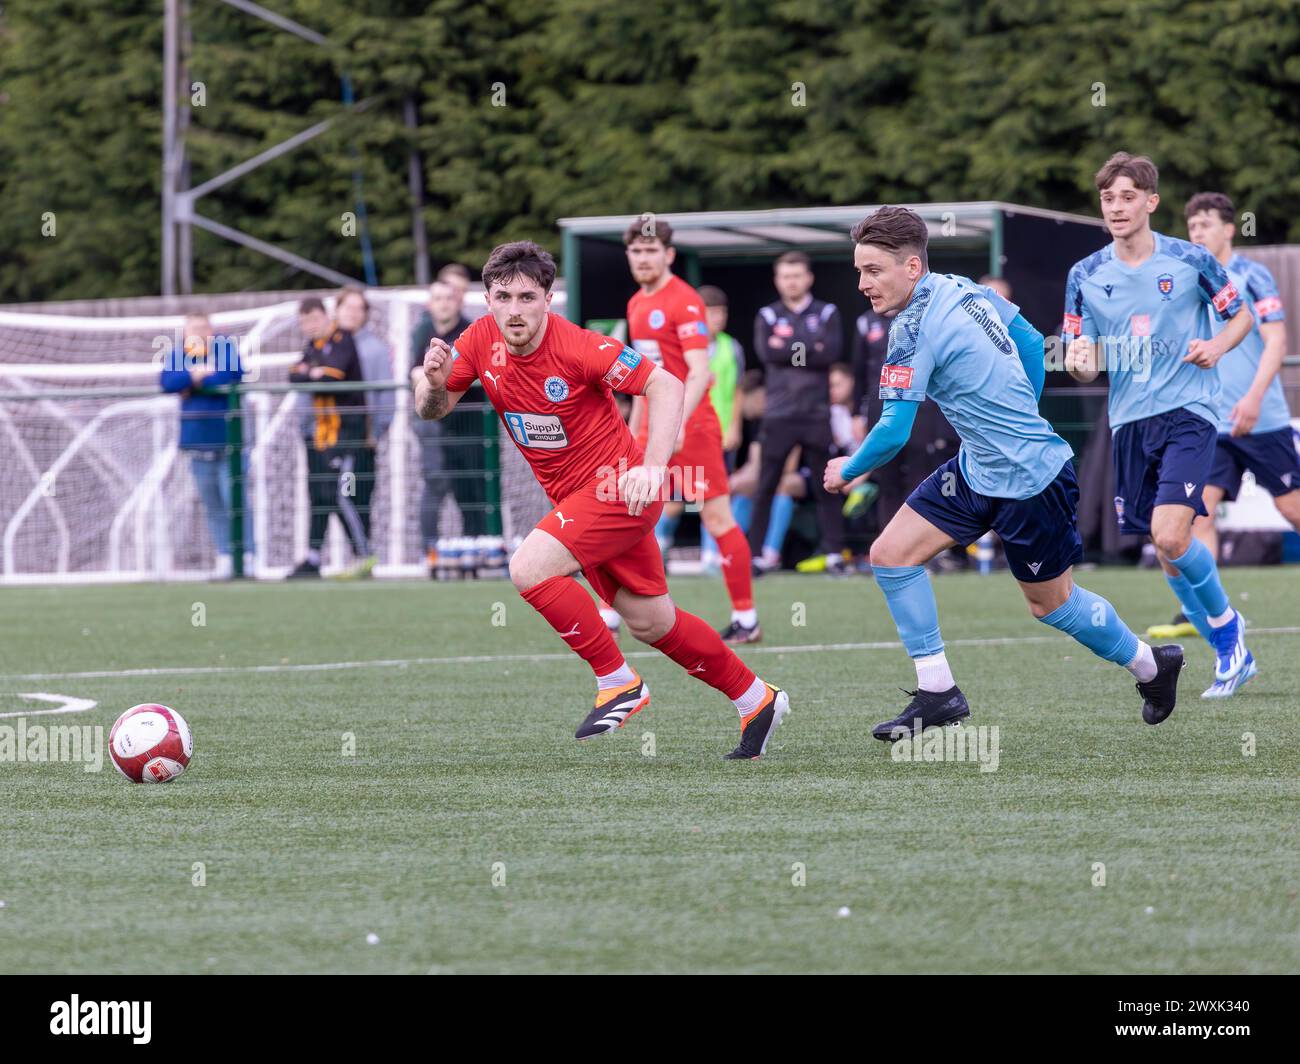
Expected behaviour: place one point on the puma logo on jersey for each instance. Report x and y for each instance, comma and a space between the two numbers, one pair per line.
1034, 567
564, 520
692, 308
604, 345
1189, 488
489, 375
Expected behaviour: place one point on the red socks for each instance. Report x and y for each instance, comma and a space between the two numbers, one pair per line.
699, 650
736, 558
571, 612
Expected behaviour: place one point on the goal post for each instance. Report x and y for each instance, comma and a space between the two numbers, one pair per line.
98, 488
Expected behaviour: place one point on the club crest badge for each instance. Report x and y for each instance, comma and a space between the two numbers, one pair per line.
557, 389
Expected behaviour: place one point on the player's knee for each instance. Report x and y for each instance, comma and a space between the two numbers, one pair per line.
884, 553
717, 522
1288, 506
1172, 540
522, 573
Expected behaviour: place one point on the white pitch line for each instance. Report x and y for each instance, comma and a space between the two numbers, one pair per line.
478, 659
67, 704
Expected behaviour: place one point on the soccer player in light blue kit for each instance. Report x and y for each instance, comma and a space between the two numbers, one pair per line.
1254, 419
973, 353
1140, 308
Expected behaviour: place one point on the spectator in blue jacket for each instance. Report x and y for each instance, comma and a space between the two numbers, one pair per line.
204, 362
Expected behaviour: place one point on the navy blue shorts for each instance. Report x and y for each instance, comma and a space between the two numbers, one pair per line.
1270, 456
1160, 460
1040, 535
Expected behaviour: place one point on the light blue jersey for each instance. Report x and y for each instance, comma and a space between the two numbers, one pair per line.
950, 342
1143, 318
1238, 367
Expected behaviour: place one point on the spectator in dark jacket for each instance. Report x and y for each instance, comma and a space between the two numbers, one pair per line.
451, 450
338, 431
204, 362
798, 338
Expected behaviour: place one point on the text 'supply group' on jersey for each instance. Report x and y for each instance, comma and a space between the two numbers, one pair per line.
663, 326
556, 403
1238, 367
950, 342
1143, 318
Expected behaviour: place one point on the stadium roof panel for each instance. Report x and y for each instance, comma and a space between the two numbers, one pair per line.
805, 226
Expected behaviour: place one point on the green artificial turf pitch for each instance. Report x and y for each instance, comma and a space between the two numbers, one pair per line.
471, 833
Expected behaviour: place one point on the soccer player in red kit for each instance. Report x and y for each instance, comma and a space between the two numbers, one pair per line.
551, 384
666, 323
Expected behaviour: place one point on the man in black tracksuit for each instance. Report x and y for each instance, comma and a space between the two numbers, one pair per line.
798, 338
338, 431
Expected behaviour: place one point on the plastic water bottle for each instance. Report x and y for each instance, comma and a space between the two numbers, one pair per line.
469, 559
448, 557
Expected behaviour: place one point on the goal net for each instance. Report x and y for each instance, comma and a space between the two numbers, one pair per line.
98, 489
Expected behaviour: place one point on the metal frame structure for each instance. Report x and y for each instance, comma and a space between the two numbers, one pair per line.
179, 215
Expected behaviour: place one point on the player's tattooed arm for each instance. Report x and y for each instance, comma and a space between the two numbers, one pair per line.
432, 399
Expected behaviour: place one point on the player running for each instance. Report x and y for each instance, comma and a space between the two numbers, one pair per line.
550, 383
1140, 308
973, 353
1254, 420
666, 323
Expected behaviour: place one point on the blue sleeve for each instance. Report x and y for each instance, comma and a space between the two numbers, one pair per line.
175, 380
885, 439
1216, 287
1030, 344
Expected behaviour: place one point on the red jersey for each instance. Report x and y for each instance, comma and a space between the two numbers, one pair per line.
557, 404
663, 327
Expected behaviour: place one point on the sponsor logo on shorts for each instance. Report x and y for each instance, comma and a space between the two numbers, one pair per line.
896, 376
1034, 567
557, 389
1224, 296
1189, 487
1119, 507
543, 431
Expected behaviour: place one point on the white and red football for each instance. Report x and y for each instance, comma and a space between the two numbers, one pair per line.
150, 743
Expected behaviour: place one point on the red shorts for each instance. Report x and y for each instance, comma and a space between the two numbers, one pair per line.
614, 549
699, 470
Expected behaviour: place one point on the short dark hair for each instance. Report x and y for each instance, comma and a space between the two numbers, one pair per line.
648, 226
352, 290
841, 367
309, 304
712, 295
1137, 168
454, 269
1211, 201
522, 258
793, 258
897, 230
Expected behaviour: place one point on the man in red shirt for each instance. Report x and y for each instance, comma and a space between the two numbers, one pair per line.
666, 323
551, 384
